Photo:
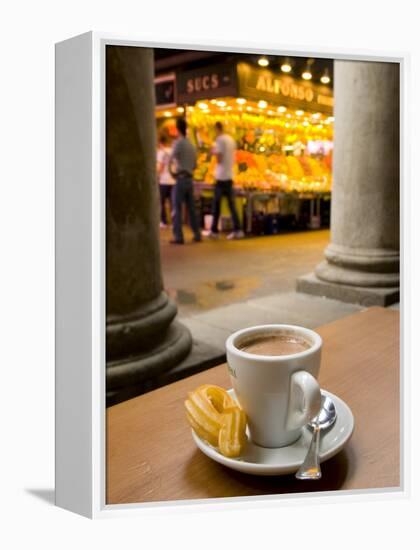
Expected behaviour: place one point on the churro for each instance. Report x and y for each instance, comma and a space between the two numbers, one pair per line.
232, 436
216, 418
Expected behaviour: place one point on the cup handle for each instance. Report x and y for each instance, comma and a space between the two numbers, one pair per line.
304, 401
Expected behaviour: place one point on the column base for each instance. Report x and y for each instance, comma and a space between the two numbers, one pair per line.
123, 375
365, 296
201, 357
139, 331
357, 275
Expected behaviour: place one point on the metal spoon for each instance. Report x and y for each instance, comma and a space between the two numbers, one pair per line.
326, 417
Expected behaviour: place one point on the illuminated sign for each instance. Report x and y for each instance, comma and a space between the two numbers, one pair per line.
206, 83
255, 83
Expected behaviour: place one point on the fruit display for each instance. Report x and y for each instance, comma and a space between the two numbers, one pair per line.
278, 149
275, 172
217, 418
272, 152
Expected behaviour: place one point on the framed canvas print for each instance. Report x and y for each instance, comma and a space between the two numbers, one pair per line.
228, 274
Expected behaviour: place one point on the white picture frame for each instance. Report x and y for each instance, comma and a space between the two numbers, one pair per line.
80, 271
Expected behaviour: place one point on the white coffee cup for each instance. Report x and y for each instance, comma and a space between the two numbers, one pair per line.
279, 393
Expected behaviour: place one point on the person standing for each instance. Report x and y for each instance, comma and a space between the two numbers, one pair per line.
224, 149
166, 181
184, 156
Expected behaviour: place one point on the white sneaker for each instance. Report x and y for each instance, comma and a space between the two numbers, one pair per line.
236, 235
163, 225
210, 234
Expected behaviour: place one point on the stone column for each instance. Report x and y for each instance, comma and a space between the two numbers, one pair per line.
142, 338
362, 261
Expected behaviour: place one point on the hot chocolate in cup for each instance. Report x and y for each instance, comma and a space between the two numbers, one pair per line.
274, 370
273, 344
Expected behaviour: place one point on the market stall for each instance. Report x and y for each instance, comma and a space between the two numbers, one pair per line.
283, 128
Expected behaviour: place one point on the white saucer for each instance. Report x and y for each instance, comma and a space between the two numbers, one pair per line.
263, 461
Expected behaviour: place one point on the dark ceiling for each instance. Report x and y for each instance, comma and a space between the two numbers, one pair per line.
170, 59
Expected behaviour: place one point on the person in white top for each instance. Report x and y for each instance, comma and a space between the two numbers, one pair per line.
224, 149
166, 181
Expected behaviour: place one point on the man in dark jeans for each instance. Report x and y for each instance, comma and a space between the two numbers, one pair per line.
224, 149
184, 156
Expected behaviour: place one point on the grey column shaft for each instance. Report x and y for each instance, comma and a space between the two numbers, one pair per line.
364, 249
143, 340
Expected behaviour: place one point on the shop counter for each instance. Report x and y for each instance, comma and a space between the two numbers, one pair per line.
310, 209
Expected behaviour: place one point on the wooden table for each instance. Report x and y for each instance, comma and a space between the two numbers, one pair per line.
151, 455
